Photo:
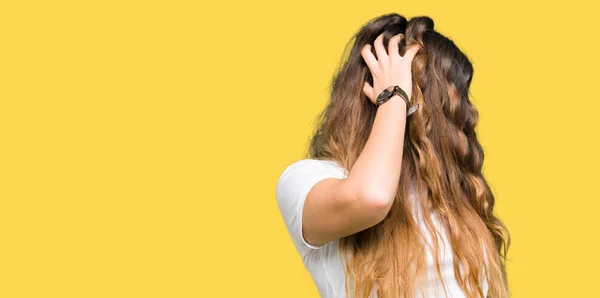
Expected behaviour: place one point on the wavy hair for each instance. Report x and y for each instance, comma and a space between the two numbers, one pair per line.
442, 158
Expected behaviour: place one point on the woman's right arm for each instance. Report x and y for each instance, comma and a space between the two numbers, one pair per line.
335, 208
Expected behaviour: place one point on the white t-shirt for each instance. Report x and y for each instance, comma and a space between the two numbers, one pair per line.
324, 261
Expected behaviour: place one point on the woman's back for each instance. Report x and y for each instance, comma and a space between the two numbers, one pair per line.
324, 262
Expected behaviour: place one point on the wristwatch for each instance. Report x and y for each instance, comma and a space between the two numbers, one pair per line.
390, 91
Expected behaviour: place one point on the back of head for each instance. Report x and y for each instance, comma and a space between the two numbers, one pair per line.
441, 79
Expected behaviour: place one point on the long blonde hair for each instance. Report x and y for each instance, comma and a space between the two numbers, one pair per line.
442, 156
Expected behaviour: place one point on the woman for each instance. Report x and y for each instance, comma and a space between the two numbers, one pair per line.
361, 232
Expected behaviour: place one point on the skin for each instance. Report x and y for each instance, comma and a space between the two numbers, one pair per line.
335, 208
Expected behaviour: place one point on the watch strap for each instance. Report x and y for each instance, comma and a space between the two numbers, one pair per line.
389, 92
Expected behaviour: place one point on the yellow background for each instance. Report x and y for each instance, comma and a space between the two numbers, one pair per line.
141, 141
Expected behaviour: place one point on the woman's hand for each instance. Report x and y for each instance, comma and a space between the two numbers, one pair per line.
388, 70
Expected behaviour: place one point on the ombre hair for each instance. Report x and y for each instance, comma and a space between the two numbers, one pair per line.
442, 159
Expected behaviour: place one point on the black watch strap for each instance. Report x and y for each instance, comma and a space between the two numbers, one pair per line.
389, 92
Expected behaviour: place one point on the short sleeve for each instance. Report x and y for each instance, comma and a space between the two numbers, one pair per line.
292, 188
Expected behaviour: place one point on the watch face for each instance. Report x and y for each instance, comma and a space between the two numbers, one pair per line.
385, 93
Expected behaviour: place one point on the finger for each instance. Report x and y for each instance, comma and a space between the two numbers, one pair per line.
368, 90
411, 52
393, 46
369, 58
380, 49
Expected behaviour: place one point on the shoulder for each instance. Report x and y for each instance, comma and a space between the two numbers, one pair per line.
293, 186
298, 178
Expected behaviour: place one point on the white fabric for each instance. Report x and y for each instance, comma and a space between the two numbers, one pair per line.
323, 261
